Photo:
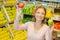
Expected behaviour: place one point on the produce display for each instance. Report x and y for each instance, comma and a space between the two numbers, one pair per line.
57, 25
10, 6
0, 2
28, 9
26, 20
11, 12
3, 20
4, 34
49, 13
9, 2
19, 35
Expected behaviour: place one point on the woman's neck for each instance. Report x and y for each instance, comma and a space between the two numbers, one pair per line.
38, 24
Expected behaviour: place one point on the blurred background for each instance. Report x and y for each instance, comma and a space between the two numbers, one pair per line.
8, 9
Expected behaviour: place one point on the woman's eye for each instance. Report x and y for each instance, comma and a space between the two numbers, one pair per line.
38, 12
41, 13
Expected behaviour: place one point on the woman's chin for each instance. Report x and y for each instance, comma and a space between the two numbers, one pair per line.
39, 20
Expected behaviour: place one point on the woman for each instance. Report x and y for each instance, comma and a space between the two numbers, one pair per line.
37, 29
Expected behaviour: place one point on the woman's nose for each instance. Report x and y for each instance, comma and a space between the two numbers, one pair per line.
40, 15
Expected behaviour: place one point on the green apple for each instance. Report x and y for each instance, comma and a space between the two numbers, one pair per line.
50, 22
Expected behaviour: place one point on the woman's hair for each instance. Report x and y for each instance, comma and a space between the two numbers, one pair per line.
34, 19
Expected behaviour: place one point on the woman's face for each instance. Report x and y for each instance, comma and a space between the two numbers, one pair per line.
40, 14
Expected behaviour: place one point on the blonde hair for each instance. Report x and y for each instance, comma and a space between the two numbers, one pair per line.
34, 19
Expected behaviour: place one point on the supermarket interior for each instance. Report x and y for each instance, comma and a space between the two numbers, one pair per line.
8, 10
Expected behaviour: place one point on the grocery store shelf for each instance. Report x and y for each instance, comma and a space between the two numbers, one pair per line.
6, 13
9, 2
10, 5
3, 25
8, 26
28, 14
58, 35
7, 17
1, 0
57, 8
52, 1
56, 30
56, 20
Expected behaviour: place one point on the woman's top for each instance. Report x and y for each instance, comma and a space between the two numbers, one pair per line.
43, 34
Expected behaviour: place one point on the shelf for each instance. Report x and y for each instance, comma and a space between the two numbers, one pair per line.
2, 26
9, 2
28, 14
58, 35
8, 26
56, 20
57, 8
1, 0
51, 1
10, 5
6, 13
56, 30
